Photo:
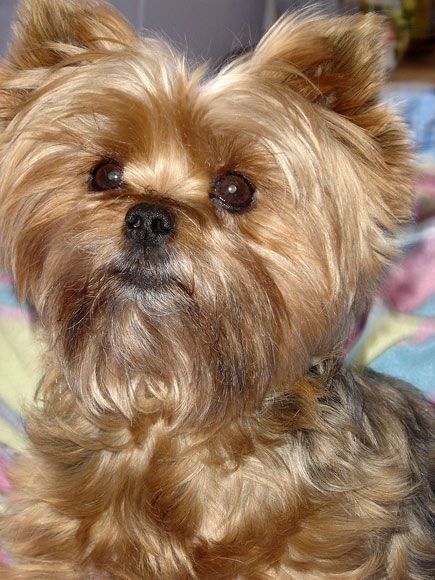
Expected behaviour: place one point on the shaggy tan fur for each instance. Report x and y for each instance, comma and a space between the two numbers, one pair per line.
195, 420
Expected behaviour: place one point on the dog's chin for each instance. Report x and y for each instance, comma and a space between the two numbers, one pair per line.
142, 280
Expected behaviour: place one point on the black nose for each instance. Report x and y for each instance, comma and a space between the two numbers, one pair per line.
149, 225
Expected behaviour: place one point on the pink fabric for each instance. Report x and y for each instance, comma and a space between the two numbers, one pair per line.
14, 312
4, 482
413, 281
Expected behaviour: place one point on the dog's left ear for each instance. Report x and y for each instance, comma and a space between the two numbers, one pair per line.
336, 62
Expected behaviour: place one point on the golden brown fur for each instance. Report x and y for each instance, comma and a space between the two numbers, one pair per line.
195, 420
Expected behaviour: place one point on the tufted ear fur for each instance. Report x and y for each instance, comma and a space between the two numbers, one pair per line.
336, 61
54, 33
45, 27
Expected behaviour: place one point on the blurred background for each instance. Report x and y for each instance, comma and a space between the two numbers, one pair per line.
211, 29
398, 334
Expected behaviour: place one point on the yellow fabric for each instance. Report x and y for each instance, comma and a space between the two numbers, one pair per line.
389, 329
19, 361
20, 373
12, 437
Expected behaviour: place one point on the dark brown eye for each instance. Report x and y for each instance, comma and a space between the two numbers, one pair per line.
233, 191
106, 175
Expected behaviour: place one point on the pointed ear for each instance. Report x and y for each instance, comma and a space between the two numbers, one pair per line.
56, 33
333, 61
48, 30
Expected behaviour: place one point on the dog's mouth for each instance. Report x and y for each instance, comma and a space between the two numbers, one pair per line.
142, 270
148, 272
143, 276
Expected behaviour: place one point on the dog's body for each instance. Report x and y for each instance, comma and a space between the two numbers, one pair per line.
242, 501
198, 251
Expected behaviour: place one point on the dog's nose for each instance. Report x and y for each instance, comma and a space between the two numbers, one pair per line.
149, 225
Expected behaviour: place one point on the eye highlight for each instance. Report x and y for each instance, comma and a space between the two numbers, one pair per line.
233, 191
106, 175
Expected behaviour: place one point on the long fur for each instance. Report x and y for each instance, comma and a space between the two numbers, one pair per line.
195, 419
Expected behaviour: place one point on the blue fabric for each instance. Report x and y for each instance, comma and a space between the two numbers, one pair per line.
416, 103
414, 363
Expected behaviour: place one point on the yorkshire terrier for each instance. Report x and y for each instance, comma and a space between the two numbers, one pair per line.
198, 248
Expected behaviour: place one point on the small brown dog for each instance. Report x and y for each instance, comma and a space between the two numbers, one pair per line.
198, 249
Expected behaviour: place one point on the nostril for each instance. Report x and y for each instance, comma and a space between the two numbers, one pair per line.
162, 224
134, 221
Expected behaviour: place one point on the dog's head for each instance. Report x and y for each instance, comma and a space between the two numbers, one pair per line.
192, 242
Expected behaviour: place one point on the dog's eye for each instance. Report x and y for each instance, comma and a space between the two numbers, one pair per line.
106, 175
233, 191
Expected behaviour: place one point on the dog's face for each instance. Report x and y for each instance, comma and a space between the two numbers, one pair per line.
192, 243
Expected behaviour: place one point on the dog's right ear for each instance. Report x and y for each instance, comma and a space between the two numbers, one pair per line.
56, 33
46, 28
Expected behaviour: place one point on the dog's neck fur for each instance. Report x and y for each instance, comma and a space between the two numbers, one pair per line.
197, 489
